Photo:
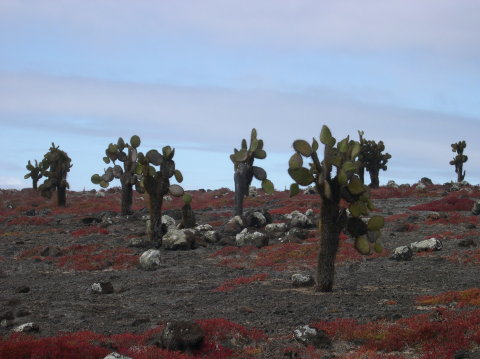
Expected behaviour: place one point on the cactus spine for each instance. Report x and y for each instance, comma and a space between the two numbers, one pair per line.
157, 184
55, 167
372, 159
35, 173
126, 153
337, 193
459, 159
245, 170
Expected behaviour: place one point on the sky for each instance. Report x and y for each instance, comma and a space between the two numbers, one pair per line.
199, 75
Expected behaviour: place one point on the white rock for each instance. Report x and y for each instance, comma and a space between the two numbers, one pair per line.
169, 222
308, 335
260, 219
204, 228
309, 213
276, 227
392, 184
150, 260
298, 219
211, 236
100, 194
237, 219
26, 328
250, 238
302, 280
177, 239
167, 198
252, 191
402, 253
420, 186
426, 244
115, 355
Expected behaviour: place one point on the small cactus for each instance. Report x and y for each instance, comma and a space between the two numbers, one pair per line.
245, 170
338, 191
459, 159
55, 167
157, 184
127, 154
373, 159
35, 173
188, 216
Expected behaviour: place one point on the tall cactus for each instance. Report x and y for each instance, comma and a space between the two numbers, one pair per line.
157, 184
459, 159
361, 167
55, 167
35, 173
245, 170
373, 159
188, 216
338, 192
126, 153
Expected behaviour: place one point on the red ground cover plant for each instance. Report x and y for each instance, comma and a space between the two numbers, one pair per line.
460, 298
285, 256
89, 230
223, 339
446, 204
396, 217
465, 257
231, 284
30, 221
437, 335
86, 257
453, 218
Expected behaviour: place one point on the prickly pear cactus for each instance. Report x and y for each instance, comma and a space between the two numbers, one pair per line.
35, 173
373, 159
127, 154
344, 198
156, 182
459, 159
188, 216
245, 170
55, 167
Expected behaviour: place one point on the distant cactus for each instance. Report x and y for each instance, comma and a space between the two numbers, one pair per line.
35, 173
372, 159
338, 193
245, 170
361, 167
126, 153
188, 216
459, 159
55, 167
157, 184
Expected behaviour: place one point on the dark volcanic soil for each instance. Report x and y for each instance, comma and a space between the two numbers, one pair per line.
61, 300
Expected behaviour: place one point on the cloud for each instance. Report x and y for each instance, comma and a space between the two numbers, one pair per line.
444, 26
216, 120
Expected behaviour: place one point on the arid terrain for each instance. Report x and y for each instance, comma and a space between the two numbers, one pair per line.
243, 297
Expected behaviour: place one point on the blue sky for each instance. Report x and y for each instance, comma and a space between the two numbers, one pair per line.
198, 75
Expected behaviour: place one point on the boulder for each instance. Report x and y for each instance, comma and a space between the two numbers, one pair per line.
276, 227
476, 208
169, 222
254, 219
252, 191
234, 225
298, 219
211, 236
115, 355
302, 280
150, 260
310, 213
402, 253
245, 237
392, 184
310, 190
102, 288
308, 335
178, 239
426, 181
27, 328
137, 242
203, 228
426, 244
420, 185
181, 335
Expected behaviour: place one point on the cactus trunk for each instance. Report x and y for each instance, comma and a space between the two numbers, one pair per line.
61, 196
126, 199
374, 181
460, 173
156, 219
34, 183
330, 229
243, 177
188, 216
